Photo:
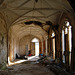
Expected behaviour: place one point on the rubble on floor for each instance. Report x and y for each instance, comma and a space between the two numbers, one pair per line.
47, 62
55, 66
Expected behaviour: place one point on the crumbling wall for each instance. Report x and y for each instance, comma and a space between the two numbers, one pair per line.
3, 40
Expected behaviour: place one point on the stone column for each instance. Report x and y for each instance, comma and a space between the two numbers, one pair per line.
42, 46
70, 43
63, 48
46, 46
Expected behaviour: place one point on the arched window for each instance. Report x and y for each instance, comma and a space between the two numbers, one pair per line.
35, 40
67, 42
53, 34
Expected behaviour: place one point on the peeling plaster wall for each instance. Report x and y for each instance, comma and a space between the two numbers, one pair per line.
3, 41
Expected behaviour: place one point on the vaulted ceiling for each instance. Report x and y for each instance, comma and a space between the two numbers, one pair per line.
23, 30
18, 12
41, 10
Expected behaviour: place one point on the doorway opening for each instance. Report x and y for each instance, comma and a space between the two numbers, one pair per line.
36, 46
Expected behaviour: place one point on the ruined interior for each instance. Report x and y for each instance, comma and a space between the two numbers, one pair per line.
37, 27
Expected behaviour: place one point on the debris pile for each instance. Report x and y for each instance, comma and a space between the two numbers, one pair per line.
54, 65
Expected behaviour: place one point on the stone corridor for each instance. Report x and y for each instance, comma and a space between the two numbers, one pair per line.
37, 28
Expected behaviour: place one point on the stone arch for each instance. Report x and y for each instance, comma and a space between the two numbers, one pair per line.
36, 38
64, 17
70, 18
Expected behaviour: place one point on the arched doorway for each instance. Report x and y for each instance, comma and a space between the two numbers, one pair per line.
35, 44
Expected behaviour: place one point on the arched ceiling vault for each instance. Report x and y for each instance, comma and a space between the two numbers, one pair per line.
16, 11
22, 30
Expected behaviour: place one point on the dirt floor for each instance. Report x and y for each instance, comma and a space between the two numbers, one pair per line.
29, 68
34, 66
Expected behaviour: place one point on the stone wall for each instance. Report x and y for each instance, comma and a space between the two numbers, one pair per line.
3, 41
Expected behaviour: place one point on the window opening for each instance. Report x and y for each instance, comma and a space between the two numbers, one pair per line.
66, 42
